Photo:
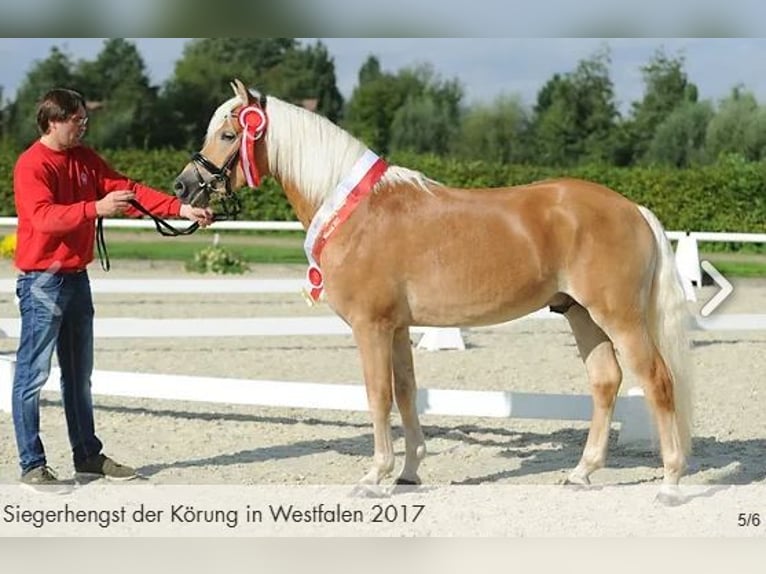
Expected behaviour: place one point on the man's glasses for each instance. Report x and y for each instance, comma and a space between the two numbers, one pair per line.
81, 121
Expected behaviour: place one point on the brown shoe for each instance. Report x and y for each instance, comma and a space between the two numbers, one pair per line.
43, 479
101, 466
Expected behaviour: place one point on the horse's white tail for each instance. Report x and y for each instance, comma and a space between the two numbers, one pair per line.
669, 323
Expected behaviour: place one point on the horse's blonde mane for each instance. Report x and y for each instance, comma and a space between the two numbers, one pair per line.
309, 150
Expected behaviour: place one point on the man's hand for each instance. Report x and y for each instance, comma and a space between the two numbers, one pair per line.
113, 203
201, 215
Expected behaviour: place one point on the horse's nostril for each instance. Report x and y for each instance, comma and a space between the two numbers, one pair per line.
179, 188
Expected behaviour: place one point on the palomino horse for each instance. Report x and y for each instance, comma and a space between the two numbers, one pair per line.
392, 248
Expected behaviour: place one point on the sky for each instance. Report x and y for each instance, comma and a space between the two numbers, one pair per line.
486, 67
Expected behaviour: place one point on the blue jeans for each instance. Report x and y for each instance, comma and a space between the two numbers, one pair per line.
56, 313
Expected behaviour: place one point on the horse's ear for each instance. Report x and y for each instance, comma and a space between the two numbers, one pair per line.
241, 91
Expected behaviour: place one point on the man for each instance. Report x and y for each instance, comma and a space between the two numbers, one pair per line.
61, 187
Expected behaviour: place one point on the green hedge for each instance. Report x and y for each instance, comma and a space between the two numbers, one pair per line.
727, 196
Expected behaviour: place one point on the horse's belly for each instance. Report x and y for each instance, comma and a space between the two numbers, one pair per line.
477, 304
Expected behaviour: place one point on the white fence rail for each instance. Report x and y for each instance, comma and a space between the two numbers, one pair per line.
181, 286
716, 237
115, 223
142, 328
630, 410
296, 226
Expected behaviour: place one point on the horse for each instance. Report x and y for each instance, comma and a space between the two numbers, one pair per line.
390, 248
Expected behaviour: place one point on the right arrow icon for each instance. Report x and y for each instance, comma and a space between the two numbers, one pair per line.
722, 282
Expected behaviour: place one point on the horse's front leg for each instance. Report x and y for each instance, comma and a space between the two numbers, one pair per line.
375, 343
405, 391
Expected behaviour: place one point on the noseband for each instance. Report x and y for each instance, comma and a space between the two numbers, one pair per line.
221, 177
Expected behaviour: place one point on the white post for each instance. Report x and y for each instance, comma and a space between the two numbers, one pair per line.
637, 429
7, 369
688, 265
436, 338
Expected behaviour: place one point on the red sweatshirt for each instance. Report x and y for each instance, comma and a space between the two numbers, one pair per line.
56, 193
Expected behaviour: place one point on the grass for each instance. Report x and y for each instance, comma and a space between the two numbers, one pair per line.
254, 247
739, 268
745, 263
167, 251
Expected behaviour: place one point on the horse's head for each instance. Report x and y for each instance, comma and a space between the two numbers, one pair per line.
233, 154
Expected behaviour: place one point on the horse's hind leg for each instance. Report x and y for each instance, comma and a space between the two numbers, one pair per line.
375, 346
405, 391
636, 346
605, 376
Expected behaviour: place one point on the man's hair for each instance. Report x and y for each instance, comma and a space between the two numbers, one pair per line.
58, 105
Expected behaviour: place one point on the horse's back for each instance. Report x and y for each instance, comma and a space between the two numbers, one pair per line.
569, 192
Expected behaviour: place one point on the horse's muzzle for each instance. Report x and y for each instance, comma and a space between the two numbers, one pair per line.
187, 188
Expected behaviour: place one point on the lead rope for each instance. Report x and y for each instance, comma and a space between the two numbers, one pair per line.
103, 255
163, 228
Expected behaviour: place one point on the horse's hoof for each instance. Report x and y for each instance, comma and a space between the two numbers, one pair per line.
368, 491
405, 485
578, 482
670, 498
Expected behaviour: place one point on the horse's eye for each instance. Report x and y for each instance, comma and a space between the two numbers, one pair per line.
228, 136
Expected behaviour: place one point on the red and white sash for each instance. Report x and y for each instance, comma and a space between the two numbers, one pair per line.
336, 209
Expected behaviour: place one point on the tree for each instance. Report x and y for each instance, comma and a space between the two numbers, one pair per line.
429, 118
3, 118
575, 115
123, 102
385, 102
200, 82
666, 88
309, 74
755, 136
421, 125
736, 126
370, 111
370, 70
119, 63
495, 132
54, 71
679, 140
278, 66
557, 137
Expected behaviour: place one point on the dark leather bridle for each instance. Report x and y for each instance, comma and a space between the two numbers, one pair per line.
221, 177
